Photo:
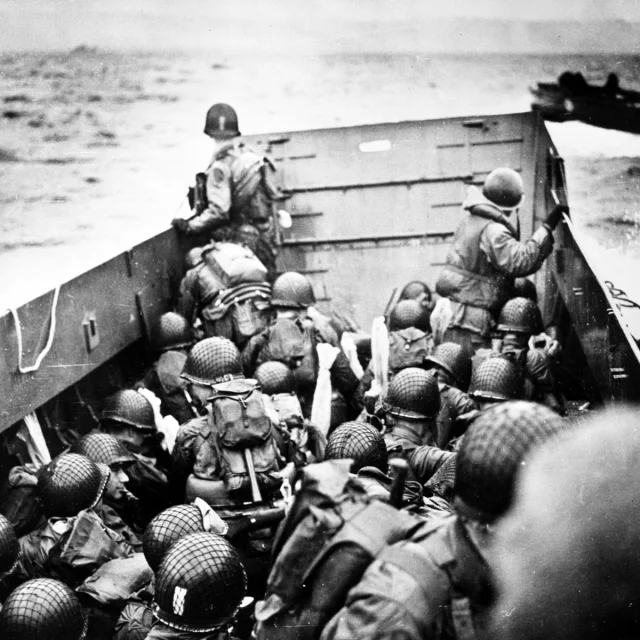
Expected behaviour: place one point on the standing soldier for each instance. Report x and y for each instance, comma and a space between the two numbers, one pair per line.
239, 189
487, 255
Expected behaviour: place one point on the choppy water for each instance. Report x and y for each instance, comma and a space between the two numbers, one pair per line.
97, 147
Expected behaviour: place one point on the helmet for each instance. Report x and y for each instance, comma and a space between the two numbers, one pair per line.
42, 609
495, 379
414, 290
453, 359
71, 483
211, 361
247, 235
361, 442
414, 394
275, 377
221, 122
292, 290
200, 583
9, 547
193, 257
167, 527
102, 447
520, 315
493, 448
131, 408
524, 288
172, 331
409, 313
504, 187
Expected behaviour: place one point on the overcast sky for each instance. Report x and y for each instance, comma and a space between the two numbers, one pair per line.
47, 24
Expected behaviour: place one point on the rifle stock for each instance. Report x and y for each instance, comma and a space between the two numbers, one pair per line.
254, 521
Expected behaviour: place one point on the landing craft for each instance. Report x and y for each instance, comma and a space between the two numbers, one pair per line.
372, 207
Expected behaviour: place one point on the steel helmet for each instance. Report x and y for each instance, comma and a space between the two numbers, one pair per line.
414, 290
493, 449
9, 546
200, 584
409, 313
42, 609
221, 122
520, 315
211, 361
504, 187
454, 360
167, 527
172, 331
292, 290
131, 408
524, 288
69, 484
413, 394
495, 379
360, 442
102, 447
275, 377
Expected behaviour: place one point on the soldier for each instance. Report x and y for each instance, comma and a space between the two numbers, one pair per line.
171, 337
493, 381
418, 291
239, 190
129, 417
487, 255
439, 585
410, 410
361, 443
520, 319
43, 609
75, 540
200, 586
567, 560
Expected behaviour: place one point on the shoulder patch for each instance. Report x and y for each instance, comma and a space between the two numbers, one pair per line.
218, 174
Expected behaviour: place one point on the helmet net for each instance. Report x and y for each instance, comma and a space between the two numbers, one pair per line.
495, 379
409, 313
101, 447
520, 315
360, 442
211, 361
275, 377
131, 408
413, 393
454, 359
172, 331
292, 289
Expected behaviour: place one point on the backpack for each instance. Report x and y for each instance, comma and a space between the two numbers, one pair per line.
239, 313
242, 429
306, 374
329, 537
408, 348
233, 264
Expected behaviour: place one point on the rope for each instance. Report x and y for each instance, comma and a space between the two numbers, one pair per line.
620, 296
47, 347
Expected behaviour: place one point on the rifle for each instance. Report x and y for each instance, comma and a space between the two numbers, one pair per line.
197, 196
244, 522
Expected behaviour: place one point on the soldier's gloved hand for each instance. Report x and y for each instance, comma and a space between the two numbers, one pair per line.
553, 219
180, 224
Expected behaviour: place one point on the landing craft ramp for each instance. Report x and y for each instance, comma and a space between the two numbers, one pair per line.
373, 207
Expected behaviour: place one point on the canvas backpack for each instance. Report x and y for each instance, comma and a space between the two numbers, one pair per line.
242, 425
329, 537
408, 348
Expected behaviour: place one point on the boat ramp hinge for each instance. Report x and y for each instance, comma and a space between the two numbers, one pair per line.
578, 291
619, 373
91, 333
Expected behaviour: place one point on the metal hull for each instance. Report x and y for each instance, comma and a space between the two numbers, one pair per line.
373, 207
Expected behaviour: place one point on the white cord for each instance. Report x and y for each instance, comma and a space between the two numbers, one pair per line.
47, 347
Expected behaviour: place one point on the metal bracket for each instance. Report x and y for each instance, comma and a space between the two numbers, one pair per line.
91, 333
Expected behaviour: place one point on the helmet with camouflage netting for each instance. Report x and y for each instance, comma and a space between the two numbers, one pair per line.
69, 484
495, 447
292, 290
413, 394
102, 447
172, 331
409, 313
453, 359
42, 609
520, 315
9, 546
495, 380
167, 527
415, 290
275, 377
200, 584
360, 442
131, 408
211, 361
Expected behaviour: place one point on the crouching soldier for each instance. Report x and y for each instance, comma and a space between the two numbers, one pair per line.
74, 541
200, 586
520, 319
439, 584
